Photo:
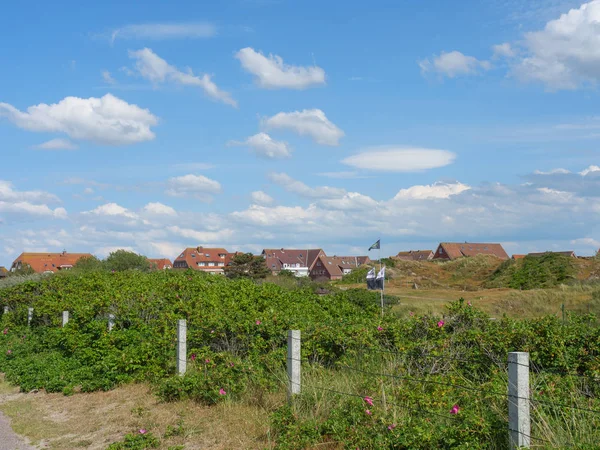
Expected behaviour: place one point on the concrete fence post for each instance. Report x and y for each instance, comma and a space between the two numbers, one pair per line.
294, 356
111, 322
29, 316
65, 318
519, 422
181, 346
6, 309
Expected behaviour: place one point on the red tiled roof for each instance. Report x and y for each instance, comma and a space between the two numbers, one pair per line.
211, 258
518, 256
457, 250
47, 262
161, 263
276, 258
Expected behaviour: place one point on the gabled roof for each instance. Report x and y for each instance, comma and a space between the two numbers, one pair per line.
518, 256
457, 250
161, 263
415, 255
44, 262
276, 258
193, 255
332, 265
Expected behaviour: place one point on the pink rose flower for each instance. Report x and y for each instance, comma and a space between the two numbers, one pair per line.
206, 361
222, 392
5, 331
454, 409
193, 357
379, 328
469, 304
440, 324
391, 427
258, 322
368, 400
142, 431
368, 412
9, 352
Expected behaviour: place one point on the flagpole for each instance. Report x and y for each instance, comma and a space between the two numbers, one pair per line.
383, 279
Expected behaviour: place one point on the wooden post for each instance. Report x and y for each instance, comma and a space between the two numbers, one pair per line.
181, 346
65, 318
294, 356
519, 422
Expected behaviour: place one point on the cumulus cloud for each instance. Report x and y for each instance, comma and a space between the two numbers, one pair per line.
272, 73
504, 50
261, 198
107, 77
10, 194
27, 208
162, 31
308, 122
112, 210
197, 186
57, 144
400, 159
595, 170
298, 187
453, 64
566, 53
158, 209
152, 67
106, 120
202, 236
264, 145
436, 190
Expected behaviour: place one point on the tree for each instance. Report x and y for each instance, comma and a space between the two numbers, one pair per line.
24, 270
286, 273
88, 264
246, 265
121, 260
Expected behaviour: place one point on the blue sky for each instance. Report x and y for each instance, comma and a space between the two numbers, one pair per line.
264, 123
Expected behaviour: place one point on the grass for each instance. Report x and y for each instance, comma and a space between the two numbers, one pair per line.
95, 420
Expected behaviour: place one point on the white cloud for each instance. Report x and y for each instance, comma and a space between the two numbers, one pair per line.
590, 169
552, 172
350, 201
298, 187
165, 249
587, 242
159, 209
431, 191
453, 64
340, 175
107, 77
504, 50
261, 198
296, 216
160, 31
272, 73
400, 159
88, 191
9, 194
566, 53
197, 186
152, 67
57, 144
264, 145
107, 250
112, 210
24, 207
308, 122
107, 120
203, 237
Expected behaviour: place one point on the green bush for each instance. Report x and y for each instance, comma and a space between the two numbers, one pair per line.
136, 441
534, 272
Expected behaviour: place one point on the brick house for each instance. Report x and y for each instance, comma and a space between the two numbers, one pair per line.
335, 267
299, 261
47, 262
455, 250
415, 255
210, 260
161, 263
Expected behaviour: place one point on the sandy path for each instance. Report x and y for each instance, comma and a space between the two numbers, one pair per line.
9, 440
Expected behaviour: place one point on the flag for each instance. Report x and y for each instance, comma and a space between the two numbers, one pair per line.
376, 245
380, 278
371, 279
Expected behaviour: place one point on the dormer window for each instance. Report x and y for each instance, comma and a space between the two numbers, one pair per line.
193, 255
207, 255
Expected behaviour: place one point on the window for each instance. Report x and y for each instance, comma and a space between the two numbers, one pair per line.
319, 263
207, 255
221, 264
202, 264
181, 256
300, 255
193, 255
273, 266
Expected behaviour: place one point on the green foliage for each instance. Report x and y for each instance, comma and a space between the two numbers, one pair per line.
246, 265
121, 260
22, 272
136, 441
88, 264
286, 273
358, 275
531, 272
388, 262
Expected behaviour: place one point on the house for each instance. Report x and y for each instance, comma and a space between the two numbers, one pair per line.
299, 261
210, 260
455, 250
518, 256
570, 254
415, 255
335, 267
3, 272
161, 263
47, 262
